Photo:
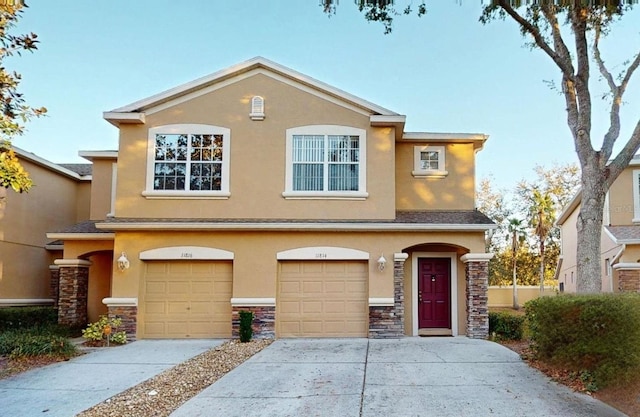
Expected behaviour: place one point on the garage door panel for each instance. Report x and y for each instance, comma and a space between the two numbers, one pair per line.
290, 287
322, 299
332, 307
334, 287
175, 289
312, 288
155, 287
156, 307
310, 307
179, 268
187, 299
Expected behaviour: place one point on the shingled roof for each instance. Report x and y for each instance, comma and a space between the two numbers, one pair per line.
80, 169
624, 234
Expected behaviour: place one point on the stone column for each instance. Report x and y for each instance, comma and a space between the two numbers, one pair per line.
628, 276
264, 316
477, 291
126, 309
54, 283
73, 289
386, 317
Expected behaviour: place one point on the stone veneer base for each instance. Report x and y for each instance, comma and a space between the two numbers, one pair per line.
629, 280
128, 315
264, 321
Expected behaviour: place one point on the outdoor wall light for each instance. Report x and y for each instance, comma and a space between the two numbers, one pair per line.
382, 262
123, 262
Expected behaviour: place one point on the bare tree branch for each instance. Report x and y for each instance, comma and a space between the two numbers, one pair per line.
621, 161
614, 113
582, 131
529, 28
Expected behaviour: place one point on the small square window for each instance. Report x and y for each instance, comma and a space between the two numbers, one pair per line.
429, 161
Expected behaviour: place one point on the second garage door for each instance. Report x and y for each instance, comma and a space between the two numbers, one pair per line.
322, 299
187, 299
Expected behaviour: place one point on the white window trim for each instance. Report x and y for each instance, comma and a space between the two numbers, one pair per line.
257, 108
636, 196
429, 173
326, 130
187, 129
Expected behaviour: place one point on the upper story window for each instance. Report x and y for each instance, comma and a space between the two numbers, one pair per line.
257, 108
188, 161
429, 161
326, 161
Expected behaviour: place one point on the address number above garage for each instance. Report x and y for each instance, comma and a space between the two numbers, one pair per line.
187, 253
327, 253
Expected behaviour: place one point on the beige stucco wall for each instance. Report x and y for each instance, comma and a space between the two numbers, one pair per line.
621, 198
257, 162
25, 218
255, 266
503, 296
567, 274
454, 192
101, 188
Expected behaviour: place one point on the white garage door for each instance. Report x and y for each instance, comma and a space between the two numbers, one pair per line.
187, 300
322, 299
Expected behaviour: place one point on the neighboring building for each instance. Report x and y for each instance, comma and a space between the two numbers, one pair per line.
620, 238
60, 197
259, 188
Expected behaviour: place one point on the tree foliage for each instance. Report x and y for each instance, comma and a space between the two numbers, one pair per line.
14, 111
569, 33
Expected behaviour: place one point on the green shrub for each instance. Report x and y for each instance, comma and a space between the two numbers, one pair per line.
105, 331
246, 321
35, 342
506, 326
597, 336
26, 317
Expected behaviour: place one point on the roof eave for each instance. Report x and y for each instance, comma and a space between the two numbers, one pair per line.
285, 226
117, 118
81, 236
118, 115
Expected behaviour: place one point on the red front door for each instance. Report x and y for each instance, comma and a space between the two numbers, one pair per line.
434, 293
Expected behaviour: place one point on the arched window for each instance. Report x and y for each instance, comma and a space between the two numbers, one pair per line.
257, 108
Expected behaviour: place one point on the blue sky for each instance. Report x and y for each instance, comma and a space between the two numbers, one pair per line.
446, 71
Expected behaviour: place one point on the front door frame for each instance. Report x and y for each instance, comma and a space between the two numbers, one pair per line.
454, 287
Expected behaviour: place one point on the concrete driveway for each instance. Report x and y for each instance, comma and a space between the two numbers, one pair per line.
400, 377
68, 388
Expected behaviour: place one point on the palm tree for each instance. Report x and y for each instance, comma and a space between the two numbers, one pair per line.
541, 218
517, 236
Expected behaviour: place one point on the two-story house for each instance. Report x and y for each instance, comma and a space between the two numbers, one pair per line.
60, 197
620, 237
259, 188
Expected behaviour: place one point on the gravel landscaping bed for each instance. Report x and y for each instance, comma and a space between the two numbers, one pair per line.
164, 393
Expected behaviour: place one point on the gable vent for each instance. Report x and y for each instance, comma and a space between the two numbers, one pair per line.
257, 108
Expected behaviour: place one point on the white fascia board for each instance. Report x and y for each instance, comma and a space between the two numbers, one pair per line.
387, 120
610, 235
54, 247
116, 118
92, 155
239, 69
628, 241
575, 202
391, 227
46, 164
444, 137
81, 236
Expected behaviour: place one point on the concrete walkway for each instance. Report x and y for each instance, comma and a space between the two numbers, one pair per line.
402, 377
67, 388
